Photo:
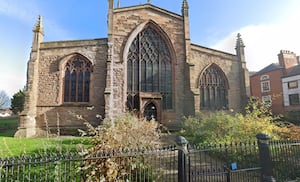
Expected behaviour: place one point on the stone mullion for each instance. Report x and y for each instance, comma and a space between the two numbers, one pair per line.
159, 72
139, 63
83, 84
76, 86
70, 86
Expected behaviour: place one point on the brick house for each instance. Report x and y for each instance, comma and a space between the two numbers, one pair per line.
147, 64
270, 83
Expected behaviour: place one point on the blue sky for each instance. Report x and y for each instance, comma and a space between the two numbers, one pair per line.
267, 26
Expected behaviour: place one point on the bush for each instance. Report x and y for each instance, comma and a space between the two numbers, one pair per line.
105, 159
230, 127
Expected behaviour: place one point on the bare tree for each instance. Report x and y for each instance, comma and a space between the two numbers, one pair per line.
4, 100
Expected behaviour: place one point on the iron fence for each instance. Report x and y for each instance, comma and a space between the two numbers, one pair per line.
253, 161
234, 162
148, 165
285, 156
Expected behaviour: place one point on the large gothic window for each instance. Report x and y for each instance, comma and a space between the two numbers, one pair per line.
149, 69
77, 80
213, 89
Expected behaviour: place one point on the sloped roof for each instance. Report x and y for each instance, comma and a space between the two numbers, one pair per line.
271, 67
295, 71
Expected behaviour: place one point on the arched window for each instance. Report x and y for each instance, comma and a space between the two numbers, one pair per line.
149, 68
77, 80
213, 89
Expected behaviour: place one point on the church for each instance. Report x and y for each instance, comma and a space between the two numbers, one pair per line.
147, 64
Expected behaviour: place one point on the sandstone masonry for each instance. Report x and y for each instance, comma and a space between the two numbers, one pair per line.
108, 84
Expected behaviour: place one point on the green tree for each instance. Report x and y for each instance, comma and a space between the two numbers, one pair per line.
4, 100
17, 102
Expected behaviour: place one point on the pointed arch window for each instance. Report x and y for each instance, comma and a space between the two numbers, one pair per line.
149, 69
77, 80
213, 86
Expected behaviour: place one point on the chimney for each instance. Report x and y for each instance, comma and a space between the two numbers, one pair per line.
287, 59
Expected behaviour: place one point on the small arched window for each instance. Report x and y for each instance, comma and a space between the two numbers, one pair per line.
264, 77
213, 89
77, 80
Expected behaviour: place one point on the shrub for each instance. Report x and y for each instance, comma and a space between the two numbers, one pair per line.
230, 127
105, 159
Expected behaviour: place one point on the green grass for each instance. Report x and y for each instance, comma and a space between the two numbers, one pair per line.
11, 147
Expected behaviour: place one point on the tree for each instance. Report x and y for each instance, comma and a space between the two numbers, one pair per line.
17, 102
4, 100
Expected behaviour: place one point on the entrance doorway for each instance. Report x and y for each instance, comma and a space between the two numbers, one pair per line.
150, 111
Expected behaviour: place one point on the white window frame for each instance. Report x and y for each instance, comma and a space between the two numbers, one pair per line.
267, 99
264, 77
265, 86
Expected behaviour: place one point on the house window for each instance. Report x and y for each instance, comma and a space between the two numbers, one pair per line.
265, 86
213, 89
264, 77
77, 80
294, 99
149, 69
267, 99
293, 84
265, 83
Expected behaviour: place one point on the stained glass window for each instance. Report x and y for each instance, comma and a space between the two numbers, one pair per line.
149, 68
77, 80
213, 89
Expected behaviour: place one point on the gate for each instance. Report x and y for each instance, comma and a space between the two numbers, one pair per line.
223, 163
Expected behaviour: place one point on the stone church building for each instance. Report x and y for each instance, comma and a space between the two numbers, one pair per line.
146, 64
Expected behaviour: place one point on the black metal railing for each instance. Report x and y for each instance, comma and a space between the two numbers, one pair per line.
148, 165
234, 162
263, 160
285, 156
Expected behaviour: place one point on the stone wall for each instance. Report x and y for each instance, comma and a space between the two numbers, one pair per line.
44, 107
51, 109
202, 57
128, 22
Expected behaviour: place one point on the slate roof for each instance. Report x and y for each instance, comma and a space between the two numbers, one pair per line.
295, 71
271, 67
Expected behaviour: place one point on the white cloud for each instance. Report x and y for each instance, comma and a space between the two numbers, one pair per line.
23, 15
264, 42
21, 10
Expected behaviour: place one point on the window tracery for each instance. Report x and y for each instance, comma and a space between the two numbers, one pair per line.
213, 89
77, 80
149, 68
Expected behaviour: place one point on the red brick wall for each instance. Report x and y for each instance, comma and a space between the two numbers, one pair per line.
275, 89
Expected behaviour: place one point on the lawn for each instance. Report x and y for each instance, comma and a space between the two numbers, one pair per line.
10, 146
8, 126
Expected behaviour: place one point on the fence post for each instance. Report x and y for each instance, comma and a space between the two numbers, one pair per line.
182, 151
265, 158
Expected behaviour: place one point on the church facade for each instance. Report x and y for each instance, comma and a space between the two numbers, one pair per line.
146, 65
